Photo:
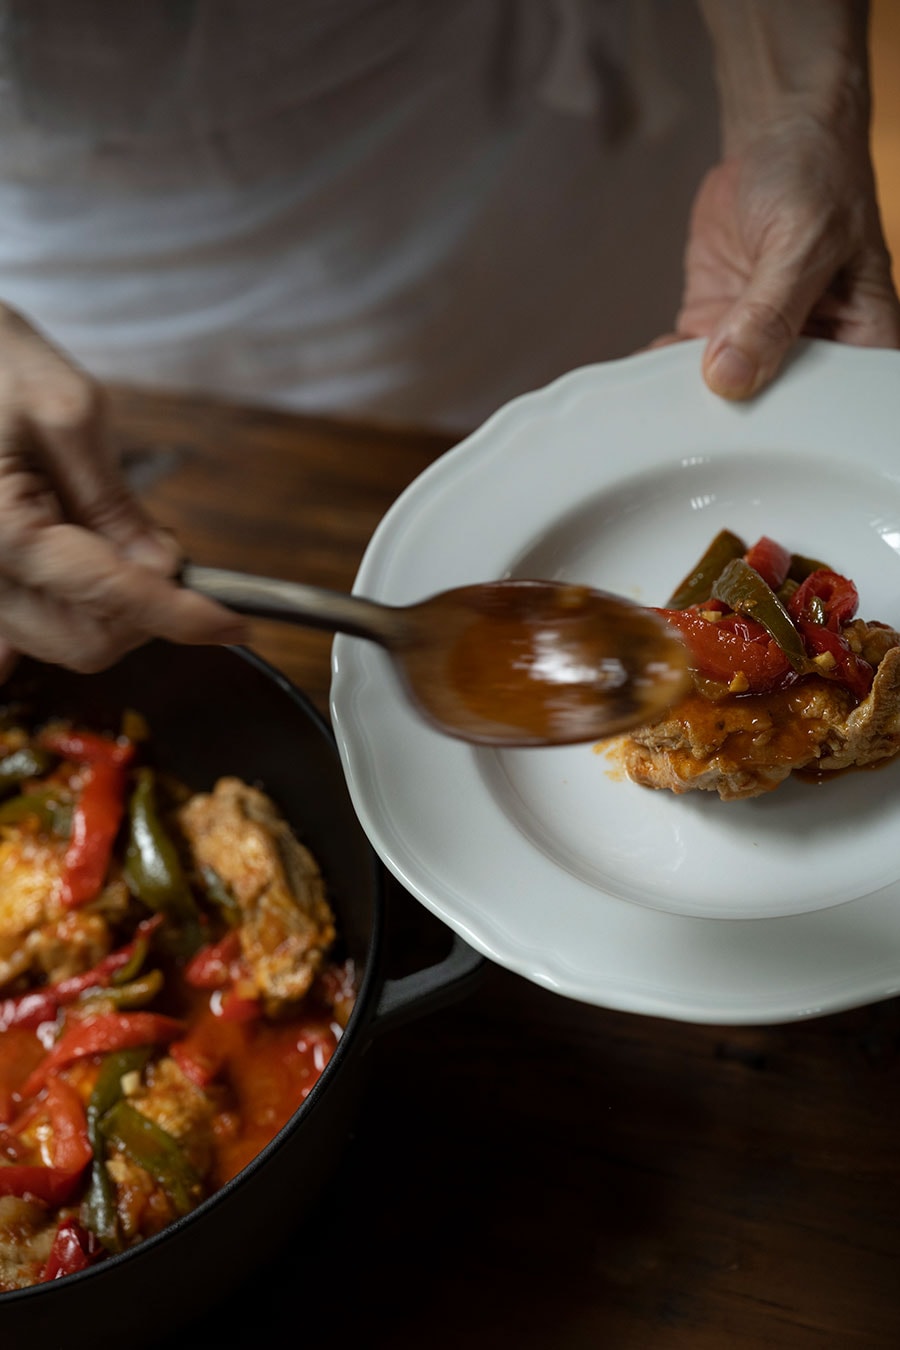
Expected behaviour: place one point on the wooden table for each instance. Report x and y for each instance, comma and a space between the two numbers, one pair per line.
528, 1171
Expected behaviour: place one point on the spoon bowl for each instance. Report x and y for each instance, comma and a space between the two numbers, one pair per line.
503, 663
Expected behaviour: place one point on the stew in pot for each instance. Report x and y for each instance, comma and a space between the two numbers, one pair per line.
170, 991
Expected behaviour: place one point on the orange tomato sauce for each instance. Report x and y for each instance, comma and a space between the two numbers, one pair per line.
266, 1071
257, 1072
783, 727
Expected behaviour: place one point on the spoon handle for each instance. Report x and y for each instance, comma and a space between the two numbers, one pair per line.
293, 602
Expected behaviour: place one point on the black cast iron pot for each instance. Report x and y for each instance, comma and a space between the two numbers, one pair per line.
213, 712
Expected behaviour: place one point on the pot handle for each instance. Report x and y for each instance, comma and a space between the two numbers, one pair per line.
426, 990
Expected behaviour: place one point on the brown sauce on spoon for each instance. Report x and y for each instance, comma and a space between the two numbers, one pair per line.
534, 662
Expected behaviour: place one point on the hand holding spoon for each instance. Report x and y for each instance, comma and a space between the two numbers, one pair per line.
503, 663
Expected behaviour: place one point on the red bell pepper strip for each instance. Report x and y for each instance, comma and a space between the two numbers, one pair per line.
71, 1151
721, 648
11, 1147
235, 1007
211, 966
26, 1117
820, 606
102, 974
198, 1062
218, 967
825, 598
73, 1249
87, 747
20, 1053
770, 560
51, 1185
98, 1034
28, 1010
95, 823
43, 1005
68, 1121
848, 668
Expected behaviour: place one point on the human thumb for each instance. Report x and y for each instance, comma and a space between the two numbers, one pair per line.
749, 345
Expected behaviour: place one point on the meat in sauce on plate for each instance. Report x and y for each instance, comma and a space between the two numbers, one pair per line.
786, 678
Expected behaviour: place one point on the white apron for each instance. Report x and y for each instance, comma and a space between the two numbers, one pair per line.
403, 209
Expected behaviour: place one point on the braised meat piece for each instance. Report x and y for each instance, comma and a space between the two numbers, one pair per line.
287, 924
30, 870
186, 1113
743, 747
37, 934
26, 1236
872, 731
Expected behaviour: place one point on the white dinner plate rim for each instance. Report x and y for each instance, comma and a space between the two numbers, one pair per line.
362, 681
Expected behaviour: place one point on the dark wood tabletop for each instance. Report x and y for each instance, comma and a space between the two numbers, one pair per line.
528, 1171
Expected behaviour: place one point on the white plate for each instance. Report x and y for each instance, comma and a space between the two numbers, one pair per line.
548, 861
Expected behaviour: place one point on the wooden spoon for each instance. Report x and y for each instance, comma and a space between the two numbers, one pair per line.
504, 663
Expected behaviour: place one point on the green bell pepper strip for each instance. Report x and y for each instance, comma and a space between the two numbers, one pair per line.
787, 588
153, 869
108, 1087
802, 567
135, 994
744, 591
119, 967
697, 585
99, 1211
98, 1034
154, 1149
138, 955
87, 747
53, 816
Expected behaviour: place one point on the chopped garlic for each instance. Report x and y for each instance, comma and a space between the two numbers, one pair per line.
131, 1083
711, 615
740, 684
825, 661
